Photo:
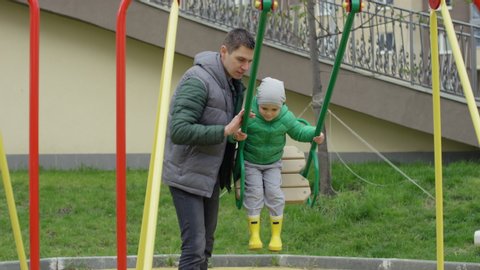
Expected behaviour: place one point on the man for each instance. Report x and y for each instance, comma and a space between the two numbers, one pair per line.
204, 111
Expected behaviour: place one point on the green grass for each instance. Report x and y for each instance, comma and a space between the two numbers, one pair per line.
386, 217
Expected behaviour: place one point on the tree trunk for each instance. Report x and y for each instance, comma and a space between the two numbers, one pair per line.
317, 100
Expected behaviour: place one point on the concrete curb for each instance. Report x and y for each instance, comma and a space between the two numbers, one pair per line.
293, 261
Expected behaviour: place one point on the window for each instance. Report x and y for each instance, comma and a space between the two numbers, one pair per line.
477, 37
475, 20
443, 44
386, 42
475, 13
330, 40
327, 8
239, 3
449, 3
386, 2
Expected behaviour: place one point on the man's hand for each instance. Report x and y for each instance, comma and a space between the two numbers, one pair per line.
234, 125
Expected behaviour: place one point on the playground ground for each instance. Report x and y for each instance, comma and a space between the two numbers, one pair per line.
241, 268
250, 262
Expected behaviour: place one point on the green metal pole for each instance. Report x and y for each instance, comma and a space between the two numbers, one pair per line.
355, 7
239, 168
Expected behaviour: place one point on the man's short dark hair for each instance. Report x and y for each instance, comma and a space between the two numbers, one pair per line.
238, 37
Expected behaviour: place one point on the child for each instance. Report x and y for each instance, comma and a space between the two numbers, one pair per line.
263, 153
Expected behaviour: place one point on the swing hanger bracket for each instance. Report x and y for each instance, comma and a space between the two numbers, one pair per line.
434, 4
353, 5
266, 5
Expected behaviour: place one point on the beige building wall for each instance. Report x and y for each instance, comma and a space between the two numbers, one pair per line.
348, 130
409, 4
77, 85
77, 94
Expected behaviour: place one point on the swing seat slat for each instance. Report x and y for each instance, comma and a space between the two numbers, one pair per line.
292, 152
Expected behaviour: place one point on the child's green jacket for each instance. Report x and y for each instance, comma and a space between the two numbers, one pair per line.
266, 140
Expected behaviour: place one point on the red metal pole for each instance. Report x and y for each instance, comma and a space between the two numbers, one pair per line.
33, 147
121, 139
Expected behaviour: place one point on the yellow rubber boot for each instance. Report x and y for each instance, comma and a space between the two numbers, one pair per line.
276, 240
254, 229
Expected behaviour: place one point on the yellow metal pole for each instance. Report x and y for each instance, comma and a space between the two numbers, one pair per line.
462, 71
147, 235
17, 233
437, 137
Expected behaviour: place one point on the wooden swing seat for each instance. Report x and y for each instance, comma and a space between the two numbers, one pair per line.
295, 187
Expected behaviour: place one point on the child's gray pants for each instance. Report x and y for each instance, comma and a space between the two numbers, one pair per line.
262, 187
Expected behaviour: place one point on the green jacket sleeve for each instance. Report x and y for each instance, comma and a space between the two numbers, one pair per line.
230, 139
299, 131
188, 107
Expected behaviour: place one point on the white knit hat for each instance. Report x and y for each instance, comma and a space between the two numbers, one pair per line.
271, 91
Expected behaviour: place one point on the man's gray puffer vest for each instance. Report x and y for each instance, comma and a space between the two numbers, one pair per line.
194, 153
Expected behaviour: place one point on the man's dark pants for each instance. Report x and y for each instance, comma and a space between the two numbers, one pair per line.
197, 218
